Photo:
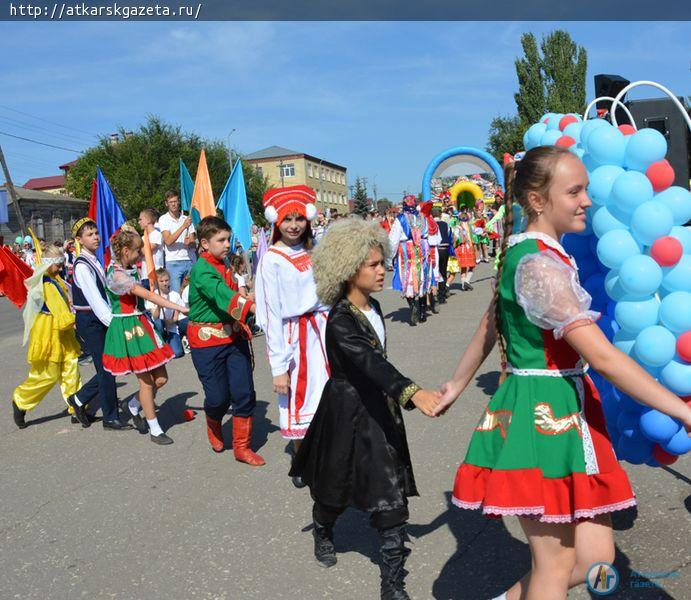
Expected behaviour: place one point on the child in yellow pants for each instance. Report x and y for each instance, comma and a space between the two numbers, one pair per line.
53, 347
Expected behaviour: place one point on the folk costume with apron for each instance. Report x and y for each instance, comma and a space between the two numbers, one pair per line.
541, 448
291, 315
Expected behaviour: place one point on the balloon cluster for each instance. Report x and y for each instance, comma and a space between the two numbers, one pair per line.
634, 258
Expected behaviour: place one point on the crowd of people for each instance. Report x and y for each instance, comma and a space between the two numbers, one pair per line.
540, 452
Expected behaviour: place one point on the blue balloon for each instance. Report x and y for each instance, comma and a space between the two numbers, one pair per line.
657, 426
613, 286
675, 312
645, 147
607, 146
678, 277
627, 403
628, 424
576, 245
683, 234
590, 163
605, 323
634, 450
677, 377
553, 123
635, 315
595, 286
624, 341
652, 462
679, 444
630, 190
588, 128
651, 220
532, 137
640, 275
573, 130
550, 137
615, 247
655, 346
601, 181
604, 221
577, 150
678, 200
546, 117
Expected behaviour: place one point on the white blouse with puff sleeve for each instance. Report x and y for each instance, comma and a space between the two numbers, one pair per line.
549, 292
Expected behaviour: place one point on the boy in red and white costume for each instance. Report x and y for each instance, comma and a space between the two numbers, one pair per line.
289, 311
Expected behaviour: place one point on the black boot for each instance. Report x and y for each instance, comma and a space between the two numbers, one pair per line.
414, 311
433, 304
393, 557
441, 292
18, 415
423, 309
324, 550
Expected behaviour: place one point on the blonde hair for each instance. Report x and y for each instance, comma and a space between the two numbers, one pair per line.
341, 252
53, 251
125, 238
531, 174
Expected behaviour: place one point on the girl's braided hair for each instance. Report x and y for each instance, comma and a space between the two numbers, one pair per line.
531, 174
125, 238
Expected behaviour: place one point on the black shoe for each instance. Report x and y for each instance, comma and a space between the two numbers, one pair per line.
79, 412
298, 482
423, 310
433, 304
18, 415
161, 439
393, 557
324, 550
140, 424
414, 312
468, 287
116, 425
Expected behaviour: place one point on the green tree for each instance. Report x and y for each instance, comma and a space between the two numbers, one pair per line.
564, 65
505, 135
361, 205
384, 204
141, 166
531, 101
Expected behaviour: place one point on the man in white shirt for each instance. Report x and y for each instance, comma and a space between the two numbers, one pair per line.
179, 241
147, 222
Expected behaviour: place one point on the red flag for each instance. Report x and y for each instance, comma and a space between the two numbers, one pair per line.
93, 203
13, 272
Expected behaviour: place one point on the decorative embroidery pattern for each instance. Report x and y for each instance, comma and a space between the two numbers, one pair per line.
206, 333
137, 331
408, 392
547, 423
491, 420
591, 466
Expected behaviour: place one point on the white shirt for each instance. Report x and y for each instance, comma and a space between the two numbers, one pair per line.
156, 239
376, 322
84, 277
177, 250
240, 280
186, 296
167, 313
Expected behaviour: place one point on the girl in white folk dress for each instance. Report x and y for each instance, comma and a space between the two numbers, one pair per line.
290, 313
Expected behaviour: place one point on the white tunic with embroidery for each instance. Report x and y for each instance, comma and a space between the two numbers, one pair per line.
294, 322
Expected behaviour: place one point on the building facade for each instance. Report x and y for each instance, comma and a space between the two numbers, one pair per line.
283, 167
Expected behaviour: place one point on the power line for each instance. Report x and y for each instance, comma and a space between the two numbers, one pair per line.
46, 120
18, 137
41, 129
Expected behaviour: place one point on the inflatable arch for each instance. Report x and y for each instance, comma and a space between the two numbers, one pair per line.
475, 156
465, 186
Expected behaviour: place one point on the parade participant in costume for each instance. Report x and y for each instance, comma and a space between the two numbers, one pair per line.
444, 248
355, 452
480, 237
49, 328
541, 450
464, 250
405, 242
493, 227
431, 239
92, 318
289, 311
132, 344
219, 342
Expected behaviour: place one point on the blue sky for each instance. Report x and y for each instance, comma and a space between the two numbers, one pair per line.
381, 98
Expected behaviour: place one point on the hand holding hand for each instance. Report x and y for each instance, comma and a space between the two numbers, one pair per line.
282, 384
449, 393
185, 310
426, 400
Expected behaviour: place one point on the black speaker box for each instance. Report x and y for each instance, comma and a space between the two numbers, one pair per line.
610, 85
662, 114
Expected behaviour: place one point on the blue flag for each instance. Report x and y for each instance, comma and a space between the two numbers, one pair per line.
186, 188
233, 203
109, 217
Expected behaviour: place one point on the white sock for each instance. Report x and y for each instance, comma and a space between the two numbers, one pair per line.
77, 401
468, 276
134, 406
463, 276
502, 597
154, 427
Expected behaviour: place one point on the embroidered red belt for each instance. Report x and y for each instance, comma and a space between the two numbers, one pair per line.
301, 390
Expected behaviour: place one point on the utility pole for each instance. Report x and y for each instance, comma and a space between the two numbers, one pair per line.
280, 170
374, 192
321, 187
13, 194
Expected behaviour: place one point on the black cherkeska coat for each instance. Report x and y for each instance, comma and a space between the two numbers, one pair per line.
355, 452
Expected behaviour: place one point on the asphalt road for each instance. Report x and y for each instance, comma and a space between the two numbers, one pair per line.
93, 514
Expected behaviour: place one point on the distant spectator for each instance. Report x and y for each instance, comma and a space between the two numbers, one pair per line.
179, 241
165, 319
147, 222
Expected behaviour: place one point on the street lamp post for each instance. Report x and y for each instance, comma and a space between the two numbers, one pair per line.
230, 152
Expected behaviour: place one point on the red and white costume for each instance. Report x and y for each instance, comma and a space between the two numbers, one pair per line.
293, 319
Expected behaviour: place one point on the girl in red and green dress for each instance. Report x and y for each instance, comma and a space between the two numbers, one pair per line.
541, 451
132, 344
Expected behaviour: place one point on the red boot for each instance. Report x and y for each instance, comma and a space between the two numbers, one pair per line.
215, 433
242, 433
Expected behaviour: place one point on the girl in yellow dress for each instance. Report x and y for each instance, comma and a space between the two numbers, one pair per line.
49, 329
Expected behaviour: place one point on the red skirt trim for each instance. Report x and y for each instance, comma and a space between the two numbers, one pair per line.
138, 364
526, 493
465, 255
